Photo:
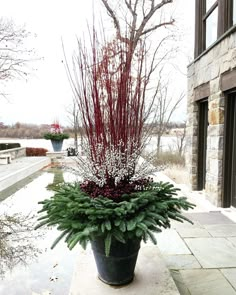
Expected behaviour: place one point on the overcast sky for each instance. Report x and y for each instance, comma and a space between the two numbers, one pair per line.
46, 93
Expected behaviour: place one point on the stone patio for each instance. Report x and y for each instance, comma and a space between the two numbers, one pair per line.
204, 262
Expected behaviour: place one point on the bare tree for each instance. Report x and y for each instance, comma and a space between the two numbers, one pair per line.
18, 241
136, 18
14, 56
180, 135
73, 116
134, 22
166, 106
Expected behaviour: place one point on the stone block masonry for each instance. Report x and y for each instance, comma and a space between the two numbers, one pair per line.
208, 70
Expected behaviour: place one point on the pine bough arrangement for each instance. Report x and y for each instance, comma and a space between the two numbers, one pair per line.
136, 215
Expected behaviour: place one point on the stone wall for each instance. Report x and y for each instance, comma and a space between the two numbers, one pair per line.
208, 69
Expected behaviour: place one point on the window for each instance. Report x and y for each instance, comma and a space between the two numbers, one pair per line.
202, 143
213, 18
211, 27
209, 3
210, 22
229, 194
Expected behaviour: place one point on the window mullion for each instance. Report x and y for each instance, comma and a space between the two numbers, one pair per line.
210, 10
199, 29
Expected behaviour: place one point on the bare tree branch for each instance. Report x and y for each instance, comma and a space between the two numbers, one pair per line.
14, 56
136, 31
171, 22
149, 15
128, 4
15, 228
165, 111
111, 13
180, 139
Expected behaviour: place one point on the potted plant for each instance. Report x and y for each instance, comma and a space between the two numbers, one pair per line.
117, 205
114, 225
56, 135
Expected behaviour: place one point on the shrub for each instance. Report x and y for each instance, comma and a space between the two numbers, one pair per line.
82, 218
38, 152
56, 136
6, 146
168, 158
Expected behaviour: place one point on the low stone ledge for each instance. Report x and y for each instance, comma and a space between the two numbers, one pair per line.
56, 156
15, 153
5, 159
21, 169
151, 276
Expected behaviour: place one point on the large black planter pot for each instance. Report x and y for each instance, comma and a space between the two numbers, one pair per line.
118, 268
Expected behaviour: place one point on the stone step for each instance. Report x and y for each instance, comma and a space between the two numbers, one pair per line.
151, 276
20, 169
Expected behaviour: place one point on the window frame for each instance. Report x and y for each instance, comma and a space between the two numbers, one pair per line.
224, 22
203, 123
206, 16
229, 149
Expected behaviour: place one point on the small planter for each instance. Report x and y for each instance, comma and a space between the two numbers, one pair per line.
57, 145
118, 268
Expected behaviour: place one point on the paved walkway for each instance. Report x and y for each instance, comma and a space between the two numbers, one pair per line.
18, 164
202, 256
19, 169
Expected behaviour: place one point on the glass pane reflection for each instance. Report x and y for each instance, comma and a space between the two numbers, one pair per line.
27, 264
209, 3
211, 27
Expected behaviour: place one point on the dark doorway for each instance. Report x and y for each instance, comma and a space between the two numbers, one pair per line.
230, 153
202, 143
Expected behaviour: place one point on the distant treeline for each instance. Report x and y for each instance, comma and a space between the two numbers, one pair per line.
168, 127
23, 130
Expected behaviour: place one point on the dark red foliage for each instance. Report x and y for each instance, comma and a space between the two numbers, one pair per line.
30, 152
114, 192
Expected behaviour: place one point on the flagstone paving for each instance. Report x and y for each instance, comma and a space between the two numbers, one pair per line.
206, 218
222, 230
206, 282
181, 262
195, 232
204, 262
213, 252
230, 274
233, 240
169, 242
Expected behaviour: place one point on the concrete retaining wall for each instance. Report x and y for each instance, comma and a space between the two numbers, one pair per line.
15, 153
